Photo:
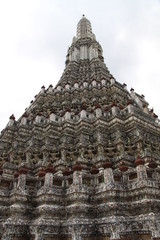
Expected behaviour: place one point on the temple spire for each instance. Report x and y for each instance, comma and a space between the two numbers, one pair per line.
84, 29
84, 48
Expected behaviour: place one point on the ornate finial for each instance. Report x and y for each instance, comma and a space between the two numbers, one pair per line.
83, 15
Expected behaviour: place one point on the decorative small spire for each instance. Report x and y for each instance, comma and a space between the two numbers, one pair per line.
12, 117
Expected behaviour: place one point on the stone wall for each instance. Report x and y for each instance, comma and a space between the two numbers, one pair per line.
58, 238
96, 238
136, 237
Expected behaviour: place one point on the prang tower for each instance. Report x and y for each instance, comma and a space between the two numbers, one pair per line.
82, 162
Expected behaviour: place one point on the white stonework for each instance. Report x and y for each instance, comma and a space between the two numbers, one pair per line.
90, 150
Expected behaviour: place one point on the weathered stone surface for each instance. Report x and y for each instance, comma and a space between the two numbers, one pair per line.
82, 162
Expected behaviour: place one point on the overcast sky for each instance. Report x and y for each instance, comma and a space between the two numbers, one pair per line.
35, 35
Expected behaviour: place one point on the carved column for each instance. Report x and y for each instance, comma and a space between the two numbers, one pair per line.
141, 169
141, 172
76, 236
77, 175
108, 174
37, 232
39, 237
76, 233
115, 232
21, 174
28, 157
48, 183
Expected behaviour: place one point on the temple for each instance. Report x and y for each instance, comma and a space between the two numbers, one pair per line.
82, 162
